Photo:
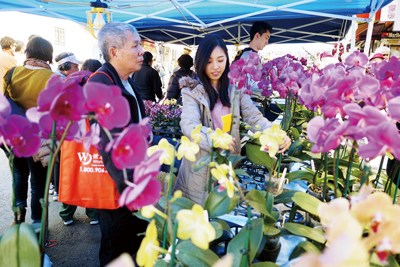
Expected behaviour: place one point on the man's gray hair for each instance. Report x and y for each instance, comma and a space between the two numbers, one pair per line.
113, 34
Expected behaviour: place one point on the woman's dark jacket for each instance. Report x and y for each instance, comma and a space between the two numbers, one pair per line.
174, 91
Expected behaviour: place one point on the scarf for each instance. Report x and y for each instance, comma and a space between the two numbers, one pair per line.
33, 62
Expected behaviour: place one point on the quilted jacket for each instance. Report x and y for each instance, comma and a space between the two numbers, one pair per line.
195, 111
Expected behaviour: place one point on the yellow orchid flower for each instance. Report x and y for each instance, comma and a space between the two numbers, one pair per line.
188, 149
124, 260
167, 102
149, 211
149, 248
327, 212
271, 138
373, 210
194, 224
195, 134
221, 139
169, 151
173, 101
345, 251
223, 173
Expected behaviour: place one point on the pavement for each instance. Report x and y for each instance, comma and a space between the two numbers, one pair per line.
74, 245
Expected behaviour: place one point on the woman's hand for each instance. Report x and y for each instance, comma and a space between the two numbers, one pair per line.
286, 144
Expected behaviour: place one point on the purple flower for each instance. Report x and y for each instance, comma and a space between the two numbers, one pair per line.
389, 69
21, 135
325, 134
382, 138
394, 108
146, 189
5, 108
108, 104
129, 149
356, 59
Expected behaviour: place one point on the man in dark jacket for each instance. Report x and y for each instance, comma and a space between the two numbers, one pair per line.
148, 80
123, 54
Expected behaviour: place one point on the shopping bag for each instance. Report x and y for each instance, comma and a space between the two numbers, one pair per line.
84, 181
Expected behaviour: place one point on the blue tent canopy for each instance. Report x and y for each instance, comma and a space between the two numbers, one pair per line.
186, 21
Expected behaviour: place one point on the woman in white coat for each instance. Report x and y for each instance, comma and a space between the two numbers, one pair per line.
205, 100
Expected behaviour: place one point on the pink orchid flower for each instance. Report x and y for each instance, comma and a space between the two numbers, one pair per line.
311, 94
5, 108
325, 134
53, 88
21, 135
356, 59
361, 120
46, 126
68, 105
146, 189
394, 108
108, 104
389, 69
382, 138
129, 149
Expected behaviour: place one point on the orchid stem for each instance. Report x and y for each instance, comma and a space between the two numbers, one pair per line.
397, 188
365, 175
378, 174
351, 158
209, 184
246, 261
325, 175
336, 170
45, 203
173, 249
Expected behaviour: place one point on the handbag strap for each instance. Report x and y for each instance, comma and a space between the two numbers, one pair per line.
102, 72
8, 81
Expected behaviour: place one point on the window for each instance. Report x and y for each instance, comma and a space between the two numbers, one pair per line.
59, 36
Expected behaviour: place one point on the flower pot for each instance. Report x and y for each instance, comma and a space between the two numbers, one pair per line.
269, 249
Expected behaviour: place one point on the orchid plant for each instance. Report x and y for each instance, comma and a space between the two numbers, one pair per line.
356, 106
164, 116
63, 110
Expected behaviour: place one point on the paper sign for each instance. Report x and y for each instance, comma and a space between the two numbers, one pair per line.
226, 123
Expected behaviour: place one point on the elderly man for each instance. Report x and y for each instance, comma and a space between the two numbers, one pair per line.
121, 48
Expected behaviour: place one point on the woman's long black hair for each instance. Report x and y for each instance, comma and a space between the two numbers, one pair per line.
203, 54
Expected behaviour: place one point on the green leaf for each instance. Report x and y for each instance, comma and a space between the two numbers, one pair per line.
294, 133
181, 203
238, 244
255, 155
256, 199
270, 230
304, 246
285, 197
301, 175
201, 163
264, 264
306, 202
19, 247
241, 172
218, 203
302, 230
190, 255
161, 263
218, 229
